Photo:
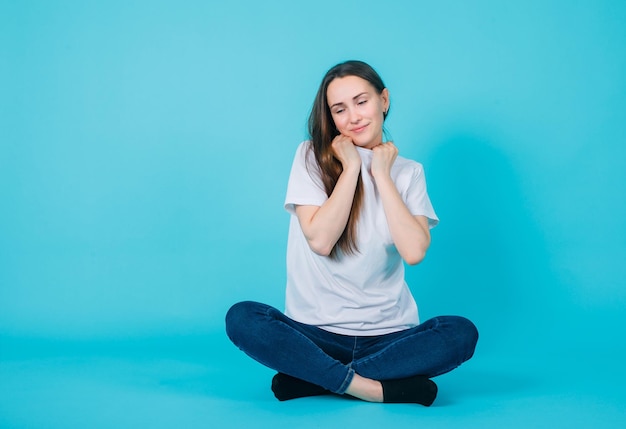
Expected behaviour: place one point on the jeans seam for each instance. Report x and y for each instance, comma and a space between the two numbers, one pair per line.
350, 374
346, 382
391, 346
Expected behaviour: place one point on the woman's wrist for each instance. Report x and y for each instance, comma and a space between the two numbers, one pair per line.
352, 168
382, 176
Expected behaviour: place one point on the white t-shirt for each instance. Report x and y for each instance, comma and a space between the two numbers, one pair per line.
365, 293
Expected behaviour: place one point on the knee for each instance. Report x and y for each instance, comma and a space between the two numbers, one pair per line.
461, 336
467, 336
239, 319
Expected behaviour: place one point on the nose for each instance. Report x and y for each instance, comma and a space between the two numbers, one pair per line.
355, 116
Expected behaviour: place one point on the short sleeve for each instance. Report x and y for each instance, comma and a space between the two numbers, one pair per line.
416, 198
305, 185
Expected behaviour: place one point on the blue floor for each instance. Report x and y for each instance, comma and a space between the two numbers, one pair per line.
204, 382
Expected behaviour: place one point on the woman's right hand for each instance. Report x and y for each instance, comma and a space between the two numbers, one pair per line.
345, 151
323, 225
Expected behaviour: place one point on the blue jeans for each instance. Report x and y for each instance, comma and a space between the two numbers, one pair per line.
331, 360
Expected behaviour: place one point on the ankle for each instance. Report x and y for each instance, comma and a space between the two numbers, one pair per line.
365, 389
417, 389
286, 387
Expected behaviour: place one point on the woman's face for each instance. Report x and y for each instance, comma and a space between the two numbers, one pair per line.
357, 110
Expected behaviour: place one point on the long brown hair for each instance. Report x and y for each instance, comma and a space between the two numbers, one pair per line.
322, 131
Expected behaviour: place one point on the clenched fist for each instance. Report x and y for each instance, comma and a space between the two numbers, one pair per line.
345, 151
385, 155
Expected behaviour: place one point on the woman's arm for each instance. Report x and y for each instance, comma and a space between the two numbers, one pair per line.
323, 225
410, 233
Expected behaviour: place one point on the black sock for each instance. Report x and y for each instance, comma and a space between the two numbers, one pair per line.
286, 387
417, 389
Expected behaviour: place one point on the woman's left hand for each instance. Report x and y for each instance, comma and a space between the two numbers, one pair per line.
409, 233
384, 156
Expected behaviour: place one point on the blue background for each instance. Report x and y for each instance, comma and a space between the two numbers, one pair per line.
144, 154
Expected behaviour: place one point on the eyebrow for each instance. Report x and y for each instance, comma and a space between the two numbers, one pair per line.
354, 98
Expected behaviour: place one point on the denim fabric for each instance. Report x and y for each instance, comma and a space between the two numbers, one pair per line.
331, 360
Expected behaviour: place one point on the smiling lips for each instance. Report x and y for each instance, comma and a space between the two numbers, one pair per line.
359, 129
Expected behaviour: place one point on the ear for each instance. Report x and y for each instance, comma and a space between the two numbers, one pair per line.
384, 96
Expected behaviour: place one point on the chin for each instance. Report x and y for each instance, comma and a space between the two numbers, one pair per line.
361, 142
365, 145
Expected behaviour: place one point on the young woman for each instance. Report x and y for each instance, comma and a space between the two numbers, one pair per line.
358, 212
